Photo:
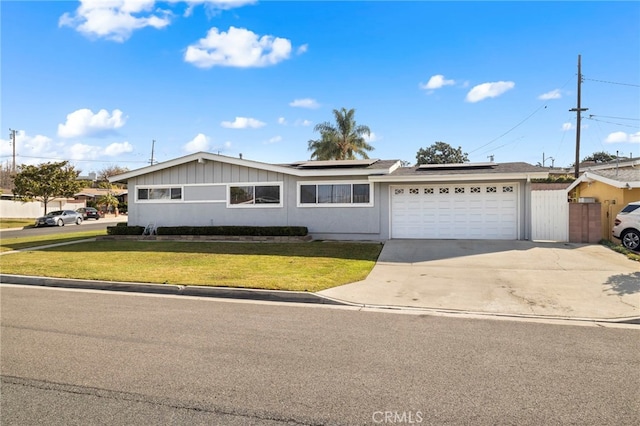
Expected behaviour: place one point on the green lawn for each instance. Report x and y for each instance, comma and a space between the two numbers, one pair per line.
286, 266
16, 223
14, 243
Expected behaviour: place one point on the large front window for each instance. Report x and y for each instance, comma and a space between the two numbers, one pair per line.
252, 195
319, 194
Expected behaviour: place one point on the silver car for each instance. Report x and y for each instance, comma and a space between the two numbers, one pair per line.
59, 218
627, 226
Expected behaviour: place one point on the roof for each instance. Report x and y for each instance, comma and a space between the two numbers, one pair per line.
301, 168
467, 171
93, 192
622, 178
549, 186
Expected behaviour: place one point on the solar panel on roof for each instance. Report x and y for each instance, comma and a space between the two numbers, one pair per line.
336, 163
485, 165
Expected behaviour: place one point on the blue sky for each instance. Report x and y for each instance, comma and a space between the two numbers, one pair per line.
96, 82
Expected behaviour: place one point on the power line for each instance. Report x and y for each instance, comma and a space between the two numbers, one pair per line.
611, 82
616, 118
612, 122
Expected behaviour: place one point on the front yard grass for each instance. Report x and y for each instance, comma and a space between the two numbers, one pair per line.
16, 223
310, 267
18, 243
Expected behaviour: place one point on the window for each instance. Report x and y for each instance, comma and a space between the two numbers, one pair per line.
428, 190
459, 190
475, 189
507, 189
414, 191
491, 189
444, 190
160, 194
251, 195
399, 191
335, 193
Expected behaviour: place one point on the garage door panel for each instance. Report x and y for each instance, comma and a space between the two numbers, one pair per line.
455, 211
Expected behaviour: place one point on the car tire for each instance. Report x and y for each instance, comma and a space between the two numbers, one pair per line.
78, 221
631, 239
60, 222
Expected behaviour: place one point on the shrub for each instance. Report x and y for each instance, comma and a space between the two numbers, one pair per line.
261, 231
125, 230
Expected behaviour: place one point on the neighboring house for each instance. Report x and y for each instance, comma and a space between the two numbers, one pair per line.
612, 187
92, 194
350, 199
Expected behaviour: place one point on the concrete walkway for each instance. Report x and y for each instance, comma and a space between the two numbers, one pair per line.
559, 280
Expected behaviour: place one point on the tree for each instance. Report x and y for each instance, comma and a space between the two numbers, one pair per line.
107, 172
46, 181
441, 153
108, 200
600, 157
343, 141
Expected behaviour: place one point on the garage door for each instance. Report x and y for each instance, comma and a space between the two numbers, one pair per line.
476, 211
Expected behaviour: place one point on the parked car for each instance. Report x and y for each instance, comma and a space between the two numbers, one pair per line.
88, 213
627, 226
59, 218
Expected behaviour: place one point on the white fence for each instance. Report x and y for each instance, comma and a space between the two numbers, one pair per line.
16, 209
549, 215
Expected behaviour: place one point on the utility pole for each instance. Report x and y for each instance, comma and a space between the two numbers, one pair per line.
153, 144
12, 135
578, 110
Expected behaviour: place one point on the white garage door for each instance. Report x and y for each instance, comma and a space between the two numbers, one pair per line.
459, 211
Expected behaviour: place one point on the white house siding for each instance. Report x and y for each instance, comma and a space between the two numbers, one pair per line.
211, 177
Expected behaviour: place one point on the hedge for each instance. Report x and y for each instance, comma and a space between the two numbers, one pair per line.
254, 231
125, 230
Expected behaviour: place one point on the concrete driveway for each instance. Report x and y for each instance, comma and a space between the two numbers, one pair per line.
501, 277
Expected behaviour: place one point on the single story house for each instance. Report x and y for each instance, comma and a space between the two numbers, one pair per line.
346, 200
613, 188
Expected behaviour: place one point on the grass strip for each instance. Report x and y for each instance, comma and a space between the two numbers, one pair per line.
16, 223
19, 243
289, 266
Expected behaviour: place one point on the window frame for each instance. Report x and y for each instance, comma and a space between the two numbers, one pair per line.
255, 205
318, 183
170, 189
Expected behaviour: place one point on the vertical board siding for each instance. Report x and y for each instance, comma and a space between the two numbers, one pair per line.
549, 216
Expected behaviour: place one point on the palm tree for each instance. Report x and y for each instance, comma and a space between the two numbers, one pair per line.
343, 141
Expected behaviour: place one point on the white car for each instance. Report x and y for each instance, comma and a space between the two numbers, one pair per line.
627, 226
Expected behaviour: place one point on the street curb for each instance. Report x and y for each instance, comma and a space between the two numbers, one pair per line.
179, 290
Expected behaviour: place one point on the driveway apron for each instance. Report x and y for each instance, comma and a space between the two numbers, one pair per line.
501, 277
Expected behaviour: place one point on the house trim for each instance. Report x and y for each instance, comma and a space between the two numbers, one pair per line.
335, 182
590, 177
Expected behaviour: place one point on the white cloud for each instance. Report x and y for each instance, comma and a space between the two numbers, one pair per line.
567, 127
199, 143
302, 49
118, 148
238, 47
114, 19
282, 120
243, 123
436, 82
80, 151
275, 139
117, 19
489, 90
371, 138
554, 94
29, 149
622, 137
84, 122
303, 123
305, 103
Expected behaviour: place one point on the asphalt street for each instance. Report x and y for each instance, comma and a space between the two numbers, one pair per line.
89, 357
87, 225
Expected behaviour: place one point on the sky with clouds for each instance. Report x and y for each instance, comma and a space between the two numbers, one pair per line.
95, 82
